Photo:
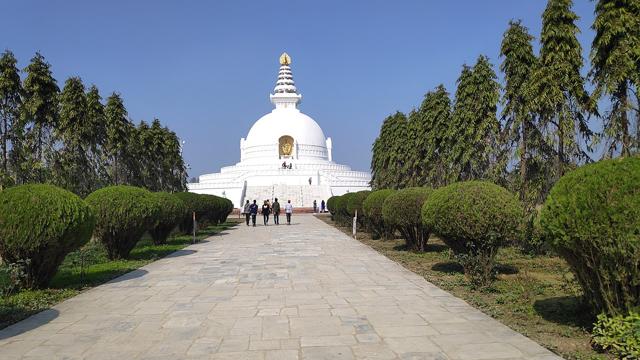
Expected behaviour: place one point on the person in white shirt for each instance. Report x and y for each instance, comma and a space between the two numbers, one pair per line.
288, 210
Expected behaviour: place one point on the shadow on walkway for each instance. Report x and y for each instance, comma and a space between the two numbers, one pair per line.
178, 253
129, 276
29, 323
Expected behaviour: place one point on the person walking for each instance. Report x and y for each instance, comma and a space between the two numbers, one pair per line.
322, 206
315, 206
276, 212
247, 211
266, 210
288, 210
253, 210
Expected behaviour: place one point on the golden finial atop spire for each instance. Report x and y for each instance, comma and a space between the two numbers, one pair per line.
285, 59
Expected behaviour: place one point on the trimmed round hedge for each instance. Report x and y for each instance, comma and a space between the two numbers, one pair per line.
222, 208
354, 203
331, 205
339, 207
216, 208
474, 218
342, 212
39, 225
403, 211
227, 208
123, 214
171, 212
592, 219
372, 207
194, 203
212, 206
209, 209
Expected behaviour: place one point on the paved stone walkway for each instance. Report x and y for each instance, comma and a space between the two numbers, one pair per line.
305, 291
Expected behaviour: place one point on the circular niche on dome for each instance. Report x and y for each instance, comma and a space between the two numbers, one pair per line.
285, 146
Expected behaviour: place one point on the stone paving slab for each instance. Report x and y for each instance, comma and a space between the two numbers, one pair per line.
305, 291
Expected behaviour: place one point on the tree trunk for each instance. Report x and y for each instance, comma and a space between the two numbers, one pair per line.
560, 158
39, 154
624, 119
637, 119
523, 162
115, 169
5, 130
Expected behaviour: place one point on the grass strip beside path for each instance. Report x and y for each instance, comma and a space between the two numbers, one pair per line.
89, 267
535, 295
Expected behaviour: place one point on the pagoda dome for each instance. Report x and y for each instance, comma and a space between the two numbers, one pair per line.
282, 122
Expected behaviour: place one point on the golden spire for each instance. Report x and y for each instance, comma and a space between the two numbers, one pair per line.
285, 59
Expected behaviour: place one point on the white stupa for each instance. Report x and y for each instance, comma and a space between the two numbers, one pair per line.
284, 156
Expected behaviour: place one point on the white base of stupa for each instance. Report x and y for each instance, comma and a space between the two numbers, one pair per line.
268, 181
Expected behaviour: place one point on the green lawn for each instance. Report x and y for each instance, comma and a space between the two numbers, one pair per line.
89, 267
534, 295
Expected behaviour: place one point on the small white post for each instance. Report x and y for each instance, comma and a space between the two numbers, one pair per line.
355, 222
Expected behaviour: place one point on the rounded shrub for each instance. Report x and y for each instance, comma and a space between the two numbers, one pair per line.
212, 206
354, 203
372, 208
592, 219
216, 209
474, 218
194, 203
403, 211
123, 214
342, 211
331, 205
227, 208
171, 212
39, 225
339, 209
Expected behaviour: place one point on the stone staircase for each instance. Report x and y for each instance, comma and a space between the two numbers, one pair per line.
259, 193
300, 195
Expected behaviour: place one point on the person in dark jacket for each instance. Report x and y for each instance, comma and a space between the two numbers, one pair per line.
266, 210
247, 211
253, 210
276, 212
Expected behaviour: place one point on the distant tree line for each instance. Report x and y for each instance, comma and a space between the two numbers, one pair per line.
543, 129
74, 139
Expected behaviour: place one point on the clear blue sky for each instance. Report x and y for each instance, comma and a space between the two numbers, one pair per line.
205, 68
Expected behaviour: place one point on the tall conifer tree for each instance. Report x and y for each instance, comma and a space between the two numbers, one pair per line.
558, 87
435, 115
10, 102
39, 116
413, 167
387, 158
519, 62
472, 136
97, 122
118, 130
615, 55
74, 169
173, 164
